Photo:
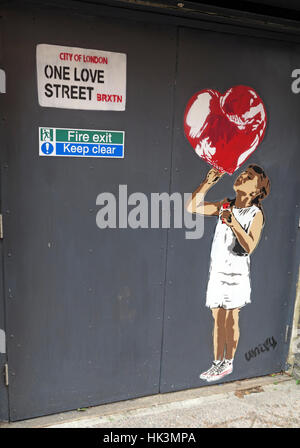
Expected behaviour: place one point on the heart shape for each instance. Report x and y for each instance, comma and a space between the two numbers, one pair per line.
225, 129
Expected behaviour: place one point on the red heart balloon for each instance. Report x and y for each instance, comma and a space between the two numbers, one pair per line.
225, 129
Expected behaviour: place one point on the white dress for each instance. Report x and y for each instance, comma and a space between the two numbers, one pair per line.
229, 275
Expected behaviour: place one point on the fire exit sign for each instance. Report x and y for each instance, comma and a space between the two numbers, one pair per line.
62, 142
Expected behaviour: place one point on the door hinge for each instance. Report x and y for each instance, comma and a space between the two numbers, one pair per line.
6, 374
2, 81
286, 333
1, 226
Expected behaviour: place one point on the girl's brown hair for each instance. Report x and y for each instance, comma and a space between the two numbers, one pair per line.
264, 186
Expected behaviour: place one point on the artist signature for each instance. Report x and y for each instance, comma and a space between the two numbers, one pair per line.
261, 348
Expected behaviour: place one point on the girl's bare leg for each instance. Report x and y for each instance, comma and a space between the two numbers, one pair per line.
232, 331
219, 332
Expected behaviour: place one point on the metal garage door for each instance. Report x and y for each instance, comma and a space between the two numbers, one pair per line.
95, 316
220, 61
84, 305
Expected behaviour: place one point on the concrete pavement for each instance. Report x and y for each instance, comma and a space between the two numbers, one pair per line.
265, 402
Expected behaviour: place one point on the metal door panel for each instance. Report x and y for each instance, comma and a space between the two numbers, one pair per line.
3, 354
85, 305
220, 61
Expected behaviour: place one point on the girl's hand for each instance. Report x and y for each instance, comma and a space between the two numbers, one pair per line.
213, 176
228, 218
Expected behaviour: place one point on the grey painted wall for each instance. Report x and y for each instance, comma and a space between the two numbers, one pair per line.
100, 316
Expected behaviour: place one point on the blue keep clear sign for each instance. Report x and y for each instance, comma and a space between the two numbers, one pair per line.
61, 142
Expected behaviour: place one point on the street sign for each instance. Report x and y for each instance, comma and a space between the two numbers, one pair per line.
79, 78
62, 142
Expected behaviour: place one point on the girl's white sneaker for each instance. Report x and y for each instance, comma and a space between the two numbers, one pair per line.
212, 371
223, 369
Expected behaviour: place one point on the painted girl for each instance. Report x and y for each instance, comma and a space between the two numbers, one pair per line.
237, 233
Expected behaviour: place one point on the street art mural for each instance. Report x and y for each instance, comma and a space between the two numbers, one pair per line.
225, 130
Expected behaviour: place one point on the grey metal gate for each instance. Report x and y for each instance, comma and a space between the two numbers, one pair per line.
84, 305
220, 61
96, 316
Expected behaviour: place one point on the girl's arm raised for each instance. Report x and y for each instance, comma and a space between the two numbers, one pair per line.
196, 203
